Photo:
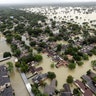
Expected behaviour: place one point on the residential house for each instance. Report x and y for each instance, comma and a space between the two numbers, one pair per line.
33, 69
66, 91
61, 63
39, 78
50, 89
87, 49
85, 90
89, 83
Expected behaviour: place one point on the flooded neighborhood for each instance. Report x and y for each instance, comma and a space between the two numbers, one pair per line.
48, 50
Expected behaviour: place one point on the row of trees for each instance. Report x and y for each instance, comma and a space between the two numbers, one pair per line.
9, 17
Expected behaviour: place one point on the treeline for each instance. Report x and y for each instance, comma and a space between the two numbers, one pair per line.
19, 20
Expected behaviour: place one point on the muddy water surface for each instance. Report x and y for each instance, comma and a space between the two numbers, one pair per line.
63, 71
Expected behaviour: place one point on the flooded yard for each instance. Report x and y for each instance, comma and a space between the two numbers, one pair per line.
62, 42
63, 72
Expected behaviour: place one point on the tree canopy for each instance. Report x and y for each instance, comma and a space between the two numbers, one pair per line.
10, 66
51, 75
69, 79
71, 66
6, 54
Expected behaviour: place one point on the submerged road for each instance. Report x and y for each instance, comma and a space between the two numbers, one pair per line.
27, 84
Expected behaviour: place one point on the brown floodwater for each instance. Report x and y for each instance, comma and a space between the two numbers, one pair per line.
63, 71
16, 80
3, 45
61, 15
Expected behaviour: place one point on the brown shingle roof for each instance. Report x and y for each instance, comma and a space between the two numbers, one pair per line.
85, 90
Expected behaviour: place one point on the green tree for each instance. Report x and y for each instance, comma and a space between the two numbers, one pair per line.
38, 57
17, 53
59, 46
71, 50
69, 79
85, 57
24, 67
94, 79
93, 63
32, 43
52, 65
77, 58
79, 63
39, 49
10, 66
13, 47
17, 64
51, 75
42, 44
71, 66
17, 37
65, 57
6, 54
36, 91
47, 30
53, 24
76, 92
9, 39
89, 72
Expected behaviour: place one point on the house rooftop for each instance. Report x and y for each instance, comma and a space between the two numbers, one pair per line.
7, 92
67, 90
6, 89
50, 89
85, 90
89, 83
39, 77
86, 78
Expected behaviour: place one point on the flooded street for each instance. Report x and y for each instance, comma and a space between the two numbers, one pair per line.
63, 71
18, 84
16, 80
3, 46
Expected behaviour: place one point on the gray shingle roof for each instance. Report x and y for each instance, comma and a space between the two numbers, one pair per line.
4, 79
